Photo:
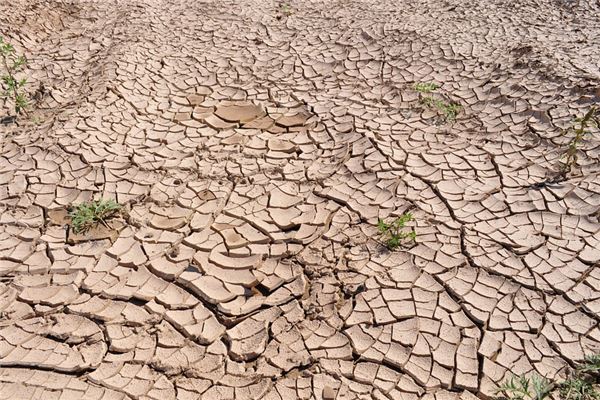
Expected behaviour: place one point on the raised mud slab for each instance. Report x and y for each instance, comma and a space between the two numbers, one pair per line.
255, 146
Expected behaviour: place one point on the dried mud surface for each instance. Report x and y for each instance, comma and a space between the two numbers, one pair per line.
255, 145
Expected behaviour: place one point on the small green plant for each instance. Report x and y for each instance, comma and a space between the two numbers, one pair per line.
570, 156
86, 215
450, 110
523, 387
591, 365
426, 87
577, 388
581, 384
12, 87
286, 9
393, 234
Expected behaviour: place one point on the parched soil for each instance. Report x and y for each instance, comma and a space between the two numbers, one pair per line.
254, 145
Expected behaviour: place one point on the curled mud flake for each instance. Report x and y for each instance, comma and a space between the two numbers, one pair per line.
239, 112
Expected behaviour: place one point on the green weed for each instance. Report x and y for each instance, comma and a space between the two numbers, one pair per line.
570, 156
577, 388
450, 110
591, 365
12, 87
285, 9
523, 387
393, 234
86, 215
581, 384
426, 87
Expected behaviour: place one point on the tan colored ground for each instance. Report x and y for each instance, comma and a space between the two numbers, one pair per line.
255, 147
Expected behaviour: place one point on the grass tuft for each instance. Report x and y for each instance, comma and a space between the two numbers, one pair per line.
88, 214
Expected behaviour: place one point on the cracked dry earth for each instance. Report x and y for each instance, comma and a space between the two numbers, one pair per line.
254, 147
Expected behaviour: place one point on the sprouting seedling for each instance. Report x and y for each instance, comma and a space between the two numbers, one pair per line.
86, 215
570, 156
426, 87
11, 86
393, 234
